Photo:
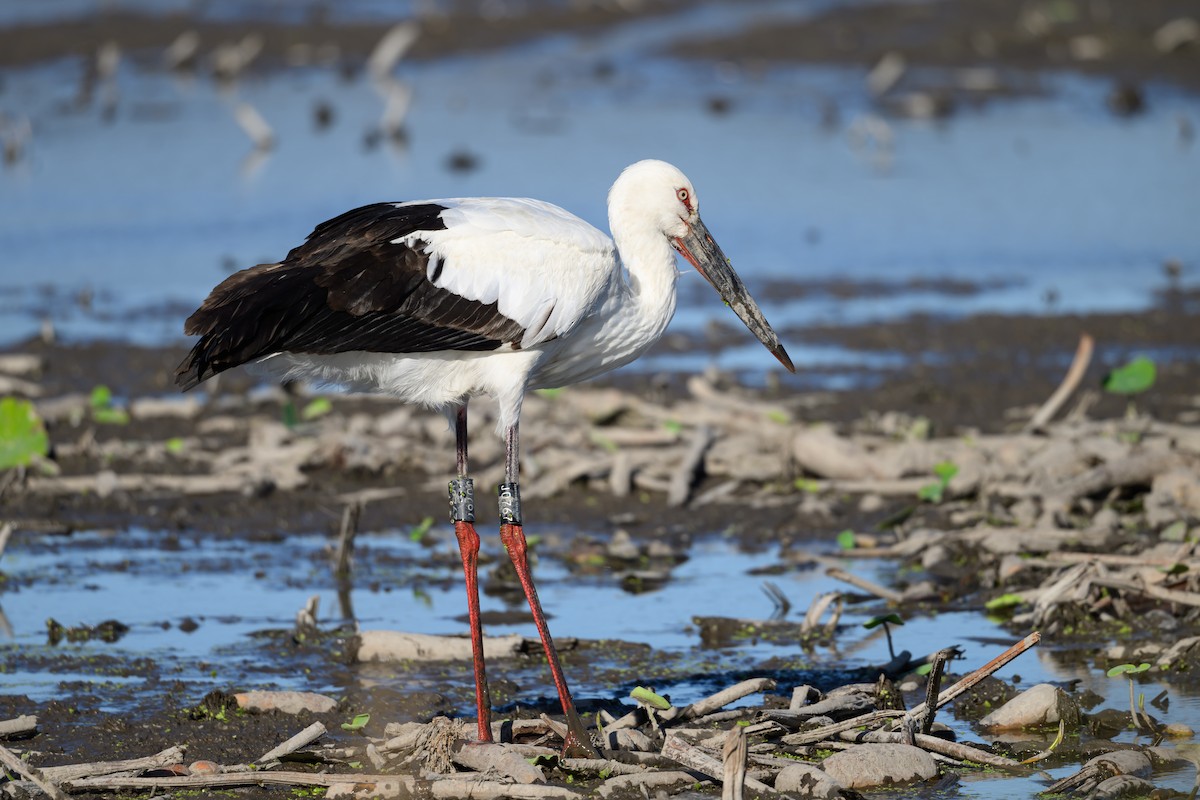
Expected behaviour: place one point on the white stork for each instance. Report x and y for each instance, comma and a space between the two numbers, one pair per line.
438, 301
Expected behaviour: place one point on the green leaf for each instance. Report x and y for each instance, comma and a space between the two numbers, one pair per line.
1175, 569
22, 435
317, 407
358, 723
782, 417
932, 492
807, 485
1120, 669
103, 410
672, 426
1135, 377
420, 529
110, 416
945, 471
846, 540
1004, 601
647, 696
174, 445
549, 394
891, 619
101, 397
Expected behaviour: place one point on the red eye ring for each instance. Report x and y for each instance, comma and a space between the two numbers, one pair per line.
682, 194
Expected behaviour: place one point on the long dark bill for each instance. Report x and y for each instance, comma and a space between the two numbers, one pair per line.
702, 251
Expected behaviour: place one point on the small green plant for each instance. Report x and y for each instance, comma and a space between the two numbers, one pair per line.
103, 410
317, 407
22, 434
650, 698
419, 530
885, 620
935, 492
1129, 670
1130, 380
358, 723
807, 485
549, 394
847, 540
673, 427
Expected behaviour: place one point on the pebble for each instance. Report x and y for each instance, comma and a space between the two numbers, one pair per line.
870, 765
807, 781
1043, 704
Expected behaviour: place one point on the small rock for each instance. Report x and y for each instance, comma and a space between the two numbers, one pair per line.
870, 765
1126, 100
204, 768
622, 547
1043, 704
807, 781
1177, 730
106, 483
870, 503
285, 702
631, 739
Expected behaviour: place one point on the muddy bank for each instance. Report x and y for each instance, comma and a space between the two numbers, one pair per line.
315, 36
1129, 42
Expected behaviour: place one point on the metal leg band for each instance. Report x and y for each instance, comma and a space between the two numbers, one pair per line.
462, 500
510, 504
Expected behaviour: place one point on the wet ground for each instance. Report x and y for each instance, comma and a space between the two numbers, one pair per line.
925, 301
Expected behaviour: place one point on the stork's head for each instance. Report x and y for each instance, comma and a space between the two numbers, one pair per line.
657, 194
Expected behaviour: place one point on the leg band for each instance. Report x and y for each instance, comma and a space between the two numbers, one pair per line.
462, 500
510, 504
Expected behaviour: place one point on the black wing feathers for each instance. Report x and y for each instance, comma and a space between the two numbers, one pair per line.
346, 288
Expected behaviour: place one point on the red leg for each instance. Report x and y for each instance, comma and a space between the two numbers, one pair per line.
462, 513
468, 547
578, 742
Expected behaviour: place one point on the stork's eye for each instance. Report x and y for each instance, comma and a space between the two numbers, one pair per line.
683, 196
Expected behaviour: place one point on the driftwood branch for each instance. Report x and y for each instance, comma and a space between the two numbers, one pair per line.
1079, 365
11, 761
70, 772
301, 739
15, 728
975, 677
385, 785
693, 757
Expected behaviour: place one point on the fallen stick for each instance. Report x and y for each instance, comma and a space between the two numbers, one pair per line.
30, 773
349, 529
301, 739
694, 758
16, 727
69, 772
935, 744
500, 759
918, 711
601, 766
386, 785
824, 732
734, 752
1079, 365
683, 478
882, 592
649, 782
5, 532
726, 696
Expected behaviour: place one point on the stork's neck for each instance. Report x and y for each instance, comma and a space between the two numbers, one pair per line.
650, 262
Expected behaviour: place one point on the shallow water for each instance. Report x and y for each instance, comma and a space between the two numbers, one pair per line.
1047, 195
234, 589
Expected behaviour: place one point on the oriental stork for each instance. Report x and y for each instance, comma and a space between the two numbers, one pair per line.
437, 301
